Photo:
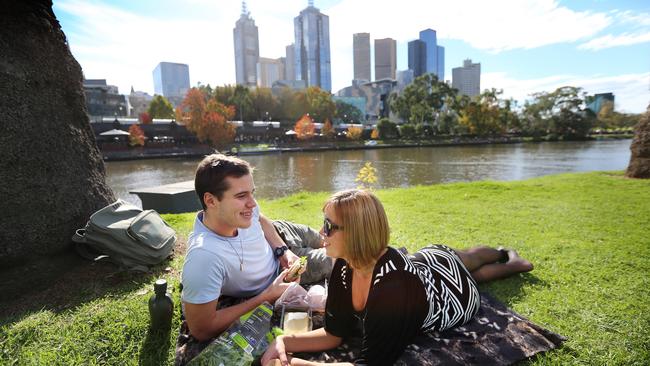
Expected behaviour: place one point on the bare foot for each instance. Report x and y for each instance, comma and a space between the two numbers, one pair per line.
517, 262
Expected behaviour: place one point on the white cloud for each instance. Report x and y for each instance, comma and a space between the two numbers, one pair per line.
632, 91
609, 41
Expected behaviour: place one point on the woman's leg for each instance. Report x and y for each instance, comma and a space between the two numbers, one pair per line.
481, 262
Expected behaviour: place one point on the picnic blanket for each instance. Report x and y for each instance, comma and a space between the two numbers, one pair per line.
495, 336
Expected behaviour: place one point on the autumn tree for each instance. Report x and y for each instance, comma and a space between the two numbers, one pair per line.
354, 133
305, 128
136, 136
374, 134
160, 107
328, 130
208, 120
145, 118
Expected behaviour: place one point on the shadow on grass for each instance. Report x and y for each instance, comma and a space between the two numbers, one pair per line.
65, 281
155, 349
509, 290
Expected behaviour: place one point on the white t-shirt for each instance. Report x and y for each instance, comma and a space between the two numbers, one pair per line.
212, 263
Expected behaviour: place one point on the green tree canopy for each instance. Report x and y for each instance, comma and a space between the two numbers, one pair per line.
320, 104
160, 107
422, 100
347, 113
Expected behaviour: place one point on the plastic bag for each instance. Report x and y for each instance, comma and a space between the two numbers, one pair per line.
317, 296
294, 297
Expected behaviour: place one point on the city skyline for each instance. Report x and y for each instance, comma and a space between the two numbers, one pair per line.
523, 47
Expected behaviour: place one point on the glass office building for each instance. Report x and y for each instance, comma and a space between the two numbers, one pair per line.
312, 48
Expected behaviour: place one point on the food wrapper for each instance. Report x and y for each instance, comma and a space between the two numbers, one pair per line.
242, 342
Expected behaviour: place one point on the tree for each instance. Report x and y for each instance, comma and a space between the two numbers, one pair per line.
422, 100
347, 113
144, 118
53, 178
209, 121
354, 133
387, 129
305, 128
561, 113
136, 136
320, 104
407, 131
328, 130
374, 134
264, 104
160, 107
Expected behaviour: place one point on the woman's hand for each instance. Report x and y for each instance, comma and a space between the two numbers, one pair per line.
276, 350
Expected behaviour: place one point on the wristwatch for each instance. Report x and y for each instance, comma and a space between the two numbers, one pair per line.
279, 251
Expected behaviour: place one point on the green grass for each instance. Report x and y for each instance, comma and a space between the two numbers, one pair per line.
587, 234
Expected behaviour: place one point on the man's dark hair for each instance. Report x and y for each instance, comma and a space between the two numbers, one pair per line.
212, 172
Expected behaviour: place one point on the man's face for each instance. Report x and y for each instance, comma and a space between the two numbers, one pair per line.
235, 209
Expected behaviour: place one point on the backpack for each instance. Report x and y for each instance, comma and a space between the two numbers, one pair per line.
126, 235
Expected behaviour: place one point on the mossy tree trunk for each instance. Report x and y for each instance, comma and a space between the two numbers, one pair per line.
52, 177
639, 166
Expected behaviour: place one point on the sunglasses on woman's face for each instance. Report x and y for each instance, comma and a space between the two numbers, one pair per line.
329, 227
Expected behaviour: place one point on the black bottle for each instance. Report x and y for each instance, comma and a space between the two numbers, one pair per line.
161, 307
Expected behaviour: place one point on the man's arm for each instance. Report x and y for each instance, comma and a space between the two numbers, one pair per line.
275, 241
205, 322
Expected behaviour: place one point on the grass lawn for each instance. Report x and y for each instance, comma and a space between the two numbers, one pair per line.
588, 235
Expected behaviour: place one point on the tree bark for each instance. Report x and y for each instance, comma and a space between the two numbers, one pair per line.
52, 176
639, 166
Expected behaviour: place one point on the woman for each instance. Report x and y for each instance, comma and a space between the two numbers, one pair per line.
384, 296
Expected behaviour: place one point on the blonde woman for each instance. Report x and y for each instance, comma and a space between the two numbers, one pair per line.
384, 296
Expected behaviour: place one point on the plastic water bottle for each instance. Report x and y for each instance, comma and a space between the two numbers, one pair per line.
161, 307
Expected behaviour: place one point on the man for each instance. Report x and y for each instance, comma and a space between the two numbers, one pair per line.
237, 252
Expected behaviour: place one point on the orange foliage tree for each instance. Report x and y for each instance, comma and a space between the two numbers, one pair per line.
145, 118
207, 118
328, 129
304, 128
374, 134
136, 136
354, 133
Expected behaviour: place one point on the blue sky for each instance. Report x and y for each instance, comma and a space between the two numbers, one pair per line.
524, 46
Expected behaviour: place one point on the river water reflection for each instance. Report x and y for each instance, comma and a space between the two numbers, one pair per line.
278, 175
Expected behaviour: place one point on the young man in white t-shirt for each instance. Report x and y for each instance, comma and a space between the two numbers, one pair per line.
234, 250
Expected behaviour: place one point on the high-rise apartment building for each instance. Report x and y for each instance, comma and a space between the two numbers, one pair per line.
312, 48
171, 80
417, 57
269, 70
385, 58
467, 79
361, 49
247, 48
290, 63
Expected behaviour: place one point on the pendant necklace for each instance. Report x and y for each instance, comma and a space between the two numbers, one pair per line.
240, 258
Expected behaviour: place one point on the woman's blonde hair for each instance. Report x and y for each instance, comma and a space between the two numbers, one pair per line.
365, 225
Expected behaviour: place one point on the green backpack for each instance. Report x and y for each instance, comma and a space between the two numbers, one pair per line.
127, 236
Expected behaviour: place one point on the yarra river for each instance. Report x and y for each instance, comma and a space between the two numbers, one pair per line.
278, 175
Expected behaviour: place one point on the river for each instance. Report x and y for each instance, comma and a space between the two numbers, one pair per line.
278, 175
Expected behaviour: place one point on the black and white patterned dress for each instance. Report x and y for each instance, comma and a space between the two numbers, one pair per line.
430, 290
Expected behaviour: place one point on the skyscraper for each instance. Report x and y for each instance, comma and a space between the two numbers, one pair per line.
269, 70
467, 79
441, 63
290, 63
385, 58
312, 48
247, 48
417, 57
172, 81
361, 47
429, 37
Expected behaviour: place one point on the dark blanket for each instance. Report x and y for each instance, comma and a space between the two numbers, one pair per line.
495, 336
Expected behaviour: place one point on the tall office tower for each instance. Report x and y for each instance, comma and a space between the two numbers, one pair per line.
312, 48
467, 79
361, 47
290, 63
247, 48
385, 58
441, 63
428, 36
418, 57
172, 81
269, 70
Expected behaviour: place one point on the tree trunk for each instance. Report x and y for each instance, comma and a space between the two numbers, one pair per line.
52, 177
639, 166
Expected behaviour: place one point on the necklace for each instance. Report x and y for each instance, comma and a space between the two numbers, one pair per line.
240, 258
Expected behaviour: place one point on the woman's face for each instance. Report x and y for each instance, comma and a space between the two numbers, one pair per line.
334, 243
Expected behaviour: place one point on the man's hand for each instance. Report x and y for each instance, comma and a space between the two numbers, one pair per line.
275, 351
276, 289
288, 258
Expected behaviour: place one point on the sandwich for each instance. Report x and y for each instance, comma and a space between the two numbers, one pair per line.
297, 268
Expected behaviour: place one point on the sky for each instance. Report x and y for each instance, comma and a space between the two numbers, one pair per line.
524, 46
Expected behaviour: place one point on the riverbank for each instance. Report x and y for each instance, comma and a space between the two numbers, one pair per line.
263, 149
586, 233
